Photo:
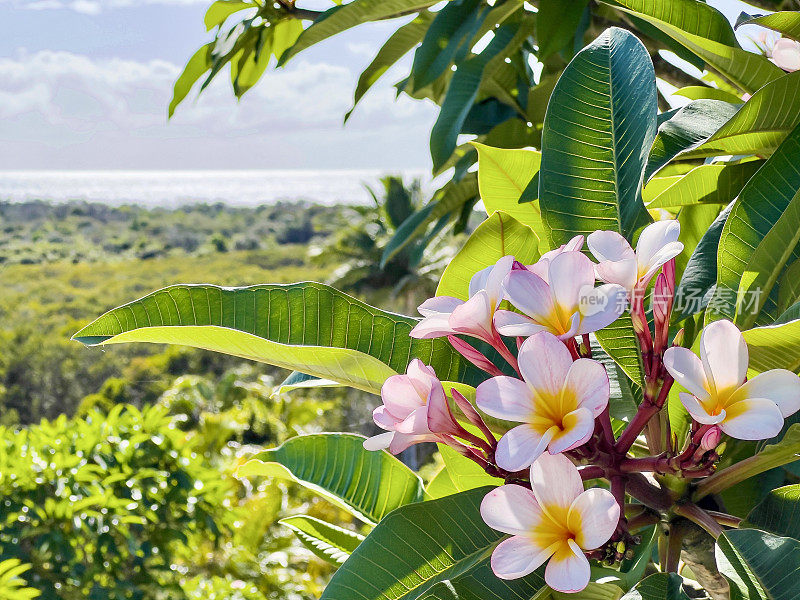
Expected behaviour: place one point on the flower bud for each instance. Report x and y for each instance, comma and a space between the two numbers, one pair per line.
679, 337
711, 438
473, 355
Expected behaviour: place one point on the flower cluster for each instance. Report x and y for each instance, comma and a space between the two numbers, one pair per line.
557, 395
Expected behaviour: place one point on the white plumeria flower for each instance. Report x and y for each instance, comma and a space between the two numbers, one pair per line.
752, 410
542, 266
786, 54
619, 263
445, 315
566, 303
556, 519
557, 401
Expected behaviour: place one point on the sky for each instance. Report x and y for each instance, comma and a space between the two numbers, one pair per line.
85, 84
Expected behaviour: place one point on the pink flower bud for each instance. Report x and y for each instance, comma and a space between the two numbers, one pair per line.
476, 357
711, 438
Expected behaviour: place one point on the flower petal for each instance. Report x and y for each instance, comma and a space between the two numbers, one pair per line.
440, 418
654, 237
384, 419
724, 355
668, 252
402, 441
687, 369
609, 246
493, 281
569, 273
530, 294
555, 481
752, 419
401, 396
695, 408
519, 447
593, 517
415, 423
568, 569
607, 303
578, 427
786, 54
544, 362
779, 385
505, 398
379, 442
588, 380
439, 305
622, 272
432, 327
511, 323
474, 317
511, 509
517, 557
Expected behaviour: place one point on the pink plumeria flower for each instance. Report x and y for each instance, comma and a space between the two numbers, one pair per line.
786, 54
445, 315
565, 303
414, 410
719, 394
619, 263
557, 402
555, 520
542, 266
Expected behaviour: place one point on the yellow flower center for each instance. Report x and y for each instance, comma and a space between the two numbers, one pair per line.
549, 410
557, 527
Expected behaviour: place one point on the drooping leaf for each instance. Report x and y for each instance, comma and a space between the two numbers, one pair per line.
777, 513
503, 175
336, 465
759, 206
331, 543
699, 92
717, 183
498, 236
198, 64
759, 565
436, 550
307, 327
659, 586
761, 124
774, 347
787, 22
688, 128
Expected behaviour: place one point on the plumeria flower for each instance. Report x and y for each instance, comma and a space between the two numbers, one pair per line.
542, 266
557, 402
619, 263
719, 393
414, 410
555, 520
565, 303
445, 315
786, 54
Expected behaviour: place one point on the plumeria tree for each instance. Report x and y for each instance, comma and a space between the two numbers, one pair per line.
608, 366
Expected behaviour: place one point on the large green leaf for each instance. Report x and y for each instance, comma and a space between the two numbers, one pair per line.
342, 18
759, 565
767, 263
556, 24
330, 542
686, 129
759, 206
503, 175
368, 484
599, 125
778, 512
498, 236
774, 347
659, 586
198, 64
464, 473
398, 45
692, 26
786, 22
308, 327
436, 550
706, 184
761, 124
789, 287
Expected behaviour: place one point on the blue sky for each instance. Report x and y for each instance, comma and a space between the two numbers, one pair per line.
84, 84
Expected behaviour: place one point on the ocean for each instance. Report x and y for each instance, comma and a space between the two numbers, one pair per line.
176, 188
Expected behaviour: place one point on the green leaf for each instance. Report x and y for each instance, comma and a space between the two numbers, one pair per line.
659, 586
498, 236
787, 22
759, 206
761, 124
766, 263
699, 92
599, 124
789, 286
198, 64
329, 542
342, 18
717, 183
759, 565
777, 512
307, 327
774, 347
699, 28
465, 474
503, 175
398, 45
464, 86
220, 10
335, 465
556, 23
297, 380
619, 341
447, 40
440, 486
436, 550
686, 129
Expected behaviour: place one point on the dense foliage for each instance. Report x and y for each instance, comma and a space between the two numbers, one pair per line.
670, 391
